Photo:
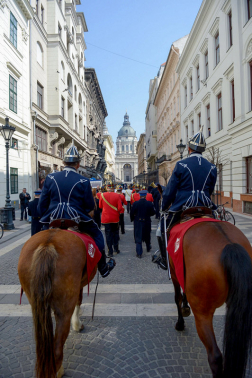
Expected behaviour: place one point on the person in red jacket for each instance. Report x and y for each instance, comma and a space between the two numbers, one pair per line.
149, 196
135, 196
111, 206
124, 202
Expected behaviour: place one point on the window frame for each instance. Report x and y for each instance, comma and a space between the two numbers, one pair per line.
233, 100
41, 138
199, 120
248, 161
14, 109
42, 14
15, 176
40, 95
198, 77
191, 88
14, 140
220, 124
192, 126
13, 30
206, 65
230, 28
208, 120
217, 48
62, 107
249, 10
185, 96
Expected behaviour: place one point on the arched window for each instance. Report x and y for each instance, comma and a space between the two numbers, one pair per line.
75, 93
39, 54
69, 84
80, 101
62, 71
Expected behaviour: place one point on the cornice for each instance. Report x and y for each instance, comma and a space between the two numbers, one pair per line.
13, 69
40, 28
206, 99
226, 8
189, 72
90, 74
197, 108
70, 10
81, 17
215, 27
204, 46
26, 9
191, 116
196, 60
229, 73
216, 88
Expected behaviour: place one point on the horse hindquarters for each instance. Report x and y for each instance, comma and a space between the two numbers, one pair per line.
238, 327
42, 275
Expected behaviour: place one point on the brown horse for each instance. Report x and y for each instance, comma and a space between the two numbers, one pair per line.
218, 270
52, 272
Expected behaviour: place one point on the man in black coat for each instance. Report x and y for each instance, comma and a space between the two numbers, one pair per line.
36, 226
141, 212
24, 200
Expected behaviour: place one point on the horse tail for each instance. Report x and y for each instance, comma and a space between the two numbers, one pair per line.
42, 276
238, 326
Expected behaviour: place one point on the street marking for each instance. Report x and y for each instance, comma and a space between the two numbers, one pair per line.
109, 289
111, 310
13, 245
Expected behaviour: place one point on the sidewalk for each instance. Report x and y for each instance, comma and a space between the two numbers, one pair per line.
20, 228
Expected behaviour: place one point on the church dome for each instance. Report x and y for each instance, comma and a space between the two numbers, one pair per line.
126, 130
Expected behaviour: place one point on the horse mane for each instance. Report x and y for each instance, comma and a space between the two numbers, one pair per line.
42, 274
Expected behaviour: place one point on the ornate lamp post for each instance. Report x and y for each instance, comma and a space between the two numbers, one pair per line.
7, 132
181, 148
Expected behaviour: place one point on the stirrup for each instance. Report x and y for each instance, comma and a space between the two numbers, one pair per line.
159, 261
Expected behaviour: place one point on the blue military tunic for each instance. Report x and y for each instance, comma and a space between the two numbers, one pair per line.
191, 184
68, 195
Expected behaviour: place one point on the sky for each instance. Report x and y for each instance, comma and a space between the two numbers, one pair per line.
142, 30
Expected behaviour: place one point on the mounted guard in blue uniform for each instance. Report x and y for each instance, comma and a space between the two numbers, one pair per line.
191, 184
68, 195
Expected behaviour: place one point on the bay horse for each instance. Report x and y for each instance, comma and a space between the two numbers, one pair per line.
52, 272
218, 270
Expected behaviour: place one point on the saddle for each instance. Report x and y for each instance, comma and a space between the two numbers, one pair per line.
63, 224
196, 212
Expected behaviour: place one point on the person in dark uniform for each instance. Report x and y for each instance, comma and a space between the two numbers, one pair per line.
141, 212
24, 200
124, 202
68, 195
156, 197
191, 184
36, 226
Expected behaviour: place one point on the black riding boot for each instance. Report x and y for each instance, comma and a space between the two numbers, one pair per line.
105, 267
161, 259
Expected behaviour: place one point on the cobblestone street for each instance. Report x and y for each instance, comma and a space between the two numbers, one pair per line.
132, 334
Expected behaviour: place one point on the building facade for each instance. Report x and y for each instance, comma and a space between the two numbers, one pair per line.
151, 128
66, 101
215, 83
142, 164
126, 160
109, 155
167, 103
14, 96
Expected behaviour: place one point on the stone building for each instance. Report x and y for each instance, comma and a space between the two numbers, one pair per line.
109, 154
167, 103
66, 100
215, 83
14, 96
126, 157
151, 128
142, 164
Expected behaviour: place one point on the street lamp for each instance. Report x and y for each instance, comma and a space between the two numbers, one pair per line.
181, 148
7, 132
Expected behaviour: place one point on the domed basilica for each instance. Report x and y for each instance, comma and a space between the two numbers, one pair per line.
126, 160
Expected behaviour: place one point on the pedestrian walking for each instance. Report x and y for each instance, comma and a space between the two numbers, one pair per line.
124, 202
24, 200
111, 206
135, 196
36, 226
128, 192
141, 212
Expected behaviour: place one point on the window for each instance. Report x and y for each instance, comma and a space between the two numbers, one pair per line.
39, 95
230, 29
14, 180
37, 7
122, 148
217, 49
59, 30
250, 64
249, 7
12, 94
208, 120
62, 107
186, 133
185, 96
14, 143
41, 139
233, 100
76, 122
219, 112
13, 30
42, 15
249, 174
62, 72
191, 89
198, 78
61, 151
75, 93
127, 148
206, 65
131, 148
199, 120
39, 54
192, 125
220, 176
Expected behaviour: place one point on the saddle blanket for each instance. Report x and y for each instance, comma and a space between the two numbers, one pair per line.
175, 245
93, 253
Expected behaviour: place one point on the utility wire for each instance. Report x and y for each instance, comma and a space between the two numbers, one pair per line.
122, 56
